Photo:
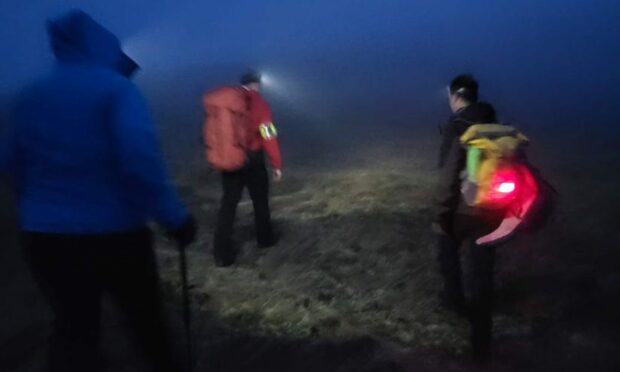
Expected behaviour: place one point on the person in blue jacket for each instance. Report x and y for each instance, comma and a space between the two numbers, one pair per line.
88, 174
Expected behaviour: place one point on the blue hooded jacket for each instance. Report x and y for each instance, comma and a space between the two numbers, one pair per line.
82, 148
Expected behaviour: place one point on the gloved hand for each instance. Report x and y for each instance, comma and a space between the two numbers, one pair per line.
277, 175
185, 234
469, 190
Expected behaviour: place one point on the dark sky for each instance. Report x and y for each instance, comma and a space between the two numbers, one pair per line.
543, 63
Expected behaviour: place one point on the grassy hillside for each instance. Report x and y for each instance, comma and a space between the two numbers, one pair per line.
357, 258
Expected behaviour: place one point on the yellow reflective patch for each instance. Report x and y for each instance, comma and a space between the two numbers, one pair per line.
268, 131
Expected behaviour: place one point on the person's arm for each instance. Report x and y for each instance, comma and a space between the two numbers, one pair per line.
9, 157
447, 141
147, 184
448, 192
269, 135
7, 151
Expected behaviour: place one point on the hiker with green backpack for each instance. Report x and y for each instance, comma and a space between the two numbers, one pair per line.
487, 192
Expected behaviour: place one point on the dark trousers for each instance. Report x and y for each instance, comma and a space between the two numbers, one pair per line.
73, 271
253, 176
479, 264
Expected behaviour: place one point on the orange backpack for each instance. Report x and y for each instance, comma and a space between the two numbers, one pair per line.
224, 130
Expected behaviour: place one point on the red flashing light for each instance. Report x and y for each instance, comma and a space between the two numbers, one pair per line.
503, 186
506, 187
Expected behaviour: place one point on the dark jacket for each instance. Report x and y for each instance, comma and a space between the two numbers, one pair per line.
83, 150
452, 158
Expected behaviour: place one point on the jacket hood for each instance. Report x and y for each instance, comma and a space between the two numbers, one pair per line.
76, 37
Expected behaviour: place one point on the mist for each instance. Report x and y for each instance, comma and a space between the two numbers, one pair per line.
358, 91
348, 63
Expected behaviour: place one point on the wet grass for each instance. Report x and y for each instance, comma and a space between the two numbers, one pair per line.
352, 285
357, 259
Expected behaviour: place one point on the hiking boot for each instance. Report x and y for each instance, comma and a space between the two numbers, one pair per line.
225, 259
269, 243
481, 335
454, 304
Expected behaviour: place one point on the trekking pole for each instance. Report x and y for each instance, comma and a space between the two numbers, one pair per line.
186, 309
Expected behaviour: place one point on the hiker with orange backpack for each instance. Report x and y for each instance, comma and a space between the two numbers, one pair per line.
238, 132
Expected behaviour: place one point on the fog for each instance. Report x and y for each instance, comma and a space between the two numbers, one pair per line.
358, 89
552, 64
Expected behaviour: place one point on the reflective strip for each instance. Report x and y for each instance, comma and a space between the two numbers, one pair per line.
268, 131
